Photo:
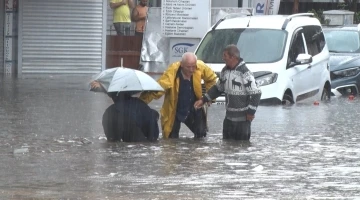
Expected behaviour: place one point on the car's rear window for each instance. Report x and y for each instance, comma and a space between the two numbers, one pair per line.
343, 41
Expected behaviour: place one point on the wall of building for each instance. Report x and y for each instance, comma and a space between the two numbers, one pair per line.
2, 39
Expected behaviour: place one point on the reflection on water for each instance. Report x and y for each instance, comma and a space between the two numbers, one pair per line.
52, 146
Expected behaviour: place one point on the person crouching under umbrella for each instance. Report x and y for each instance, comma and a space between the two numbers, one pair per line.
129, 119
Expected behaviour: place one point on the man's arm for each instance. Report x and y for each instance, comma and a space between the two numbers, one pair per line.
209, 77
253, 91
114, 5
212, 93
131, 4
95, 86
148, 96
165, 81
135, 15
151, 123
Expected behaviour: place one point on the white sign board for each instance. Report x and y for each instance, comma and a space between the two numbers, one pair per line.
266, 7
179, 46
185, 18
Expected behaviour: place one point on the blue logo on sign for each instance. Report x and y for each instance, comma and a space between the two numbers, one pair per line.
180, 48
259, 8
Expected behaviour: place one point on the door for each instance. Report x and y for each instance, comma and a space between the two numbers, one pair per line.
300, 73
62, 36
315, 42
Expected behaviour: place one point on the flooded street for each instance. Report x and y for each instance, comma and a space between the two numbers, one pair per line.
52, 145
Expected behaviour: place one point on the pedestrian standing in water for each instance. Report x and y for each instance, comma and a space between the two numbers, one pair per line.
242, 95
129, 119
182, 87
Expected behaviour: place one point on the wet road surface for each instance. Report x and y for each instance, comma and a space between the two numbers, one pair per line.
52, 145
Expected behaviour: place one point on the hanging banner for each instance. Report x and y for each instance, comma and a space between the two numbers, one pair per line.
266, 7
272, 7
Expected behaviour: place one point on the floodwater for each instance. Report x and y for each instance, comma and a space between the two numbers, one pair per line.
52, 146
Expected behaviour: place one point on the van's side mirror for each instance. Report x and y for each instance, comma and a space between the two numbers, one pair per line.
303, 58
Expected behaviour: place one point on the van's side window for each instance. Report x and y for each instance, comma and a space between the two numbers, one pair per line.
315, 40
297, 47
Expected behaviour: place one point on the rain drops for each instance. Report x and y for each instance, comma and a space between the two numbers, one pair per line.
258, 168
112, 174
21, 151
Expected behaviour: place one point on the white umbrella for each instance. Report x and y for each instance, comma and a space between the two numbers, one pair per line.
120, 79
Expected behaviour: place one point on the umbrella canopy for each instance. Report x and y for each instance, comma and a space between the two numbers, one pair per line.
120, 79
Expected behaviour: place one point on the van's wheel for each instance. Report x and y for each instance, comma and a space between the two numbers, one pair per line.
325, 96
287, 99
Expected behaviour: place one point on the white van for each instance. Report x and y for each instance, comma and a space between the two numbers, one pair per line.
287, 54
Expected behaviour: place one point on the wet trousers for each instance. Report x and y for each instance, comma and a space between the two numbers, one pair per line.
118, 127
195, 121
237, 130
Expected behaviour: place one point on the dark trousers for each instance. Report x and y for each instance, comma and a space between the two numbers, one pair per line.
120, 128
195, 121
236, 130
139, 34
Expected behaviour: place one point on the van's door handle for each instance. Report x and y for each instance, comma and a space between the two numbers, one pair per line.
309, 66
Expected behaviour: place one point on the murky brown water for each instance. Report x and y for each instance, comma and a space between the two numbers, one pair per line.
52, 146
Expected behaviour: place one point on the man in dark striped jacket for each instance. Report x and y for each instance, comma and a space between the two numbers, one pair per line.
242, 95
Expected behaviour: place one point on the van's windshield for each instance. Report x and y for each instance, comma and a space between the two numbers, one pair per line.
256, 45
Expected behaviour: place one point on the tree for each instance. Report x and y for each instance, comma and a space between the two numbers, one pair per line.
352, 4
295, 7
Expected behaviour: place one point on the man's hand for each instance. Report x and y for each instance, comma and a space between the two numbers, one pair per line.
116, 5
198, 104
95, 85
130, 3
249, 117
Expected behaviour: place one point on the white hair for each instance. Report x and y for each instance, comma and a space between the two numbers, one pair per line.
188, 55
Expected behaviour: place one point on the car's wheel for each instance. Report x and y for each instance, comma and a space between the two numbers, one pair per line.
287, 99
325, 96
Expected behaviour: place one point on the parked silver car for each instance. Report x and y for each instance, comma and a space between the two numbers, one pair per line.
344, 47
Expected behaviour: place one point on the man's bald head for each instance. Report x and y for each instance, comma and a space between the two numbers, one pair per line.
188, 57
188, 63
